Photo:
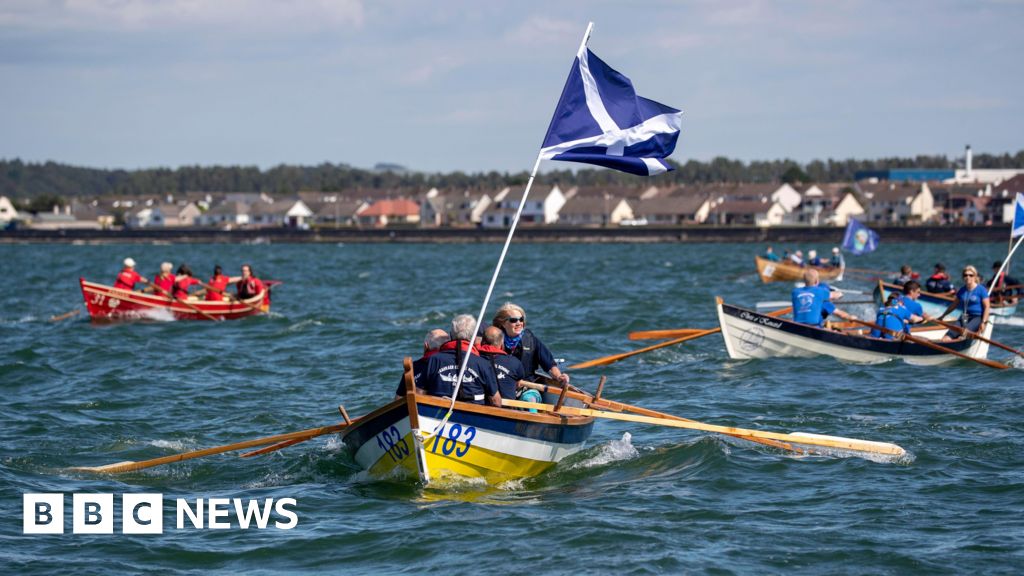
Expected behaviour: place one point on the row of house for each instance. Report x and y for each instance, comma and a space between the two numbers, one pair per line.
886, 202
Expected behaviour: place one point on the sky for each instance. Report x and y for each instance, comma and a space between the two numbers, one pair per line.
441, 86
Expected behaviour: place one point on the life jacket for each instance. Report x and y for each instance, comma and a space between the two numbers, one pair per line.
527, 353
249, 287
887, 318
938, 283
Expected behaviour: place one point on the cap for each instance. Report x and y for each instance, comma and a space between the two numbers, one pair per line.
129, 262
835, 250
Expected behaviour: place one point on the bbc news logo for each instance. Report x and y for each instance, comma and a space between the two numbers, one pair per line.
144, 513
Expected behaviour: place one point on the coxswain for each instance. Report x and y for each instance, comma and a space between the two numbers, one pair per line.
974, 304
248, 285
432, 342
183, 282
163, 282
811, 305
215, 288
938, 282
127, 278
521, 342
479, 383
508, 369
908, 299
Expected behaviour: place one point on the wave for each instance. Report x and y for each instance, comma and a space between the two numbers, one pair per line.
614, 451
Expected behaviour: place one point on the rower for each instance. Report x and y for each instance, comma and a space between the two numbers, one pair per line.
479, 383
769, 254
1005, 288
911, 292
248, 285
811, 303
836, 261
906, 275
812, 258
892, 317
432, 342
217, 285
163, 283
508, 369
127, 278
183, 282
938, 282
973, 301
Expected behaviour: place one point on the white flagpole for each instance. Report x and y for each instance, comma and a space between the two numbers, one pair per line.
497, 269
1008, 256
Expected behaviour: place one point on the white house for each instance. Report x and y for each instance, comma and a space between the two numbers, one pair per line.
290, 213
147, 217
848, 207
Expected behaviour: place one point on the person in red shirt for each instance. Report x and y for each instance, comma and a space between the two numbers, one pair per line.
127, 278
217, 285
163, 283
183, 282
248, 285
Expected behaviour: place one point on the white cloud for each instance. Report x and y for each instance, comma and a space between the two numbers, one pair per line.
542, 30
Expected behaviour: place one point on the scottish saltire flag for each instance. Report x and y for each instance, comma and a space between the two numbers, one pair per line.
600, 120
1017, 228
859, 239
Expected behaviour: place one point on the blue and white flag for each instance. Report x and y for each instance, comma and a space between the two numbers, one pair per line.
1017, 228
600, 120
859, 239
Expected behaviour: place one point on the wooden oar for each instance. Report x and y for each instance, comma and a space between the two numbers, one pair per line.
299, 436
606, 360
176, 299
660, 334
836, 442
977, 336
622, 407
929, 344
66, 315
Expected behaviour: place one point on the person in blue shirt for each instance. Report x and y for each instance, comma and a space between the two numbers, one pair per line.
837, 258
811, 303
973, 301
770, 254
908, 299
892, 317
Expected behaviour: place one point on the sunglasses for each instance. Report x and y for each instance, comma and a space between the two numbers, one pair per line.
515, 320
968, 275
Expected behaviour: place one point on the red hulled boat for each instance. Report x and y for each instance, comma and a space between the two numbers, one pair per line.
109, 303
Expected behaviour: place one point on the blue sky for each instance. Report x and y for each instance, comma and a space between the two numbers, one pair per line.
442, 86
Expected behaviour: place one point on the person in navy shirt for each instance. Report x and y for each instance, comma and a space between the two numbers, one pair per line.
938, 282
892, 317
973, 301
522, 343
507, 367
479, 384
432, 342
811, 303
1005, 288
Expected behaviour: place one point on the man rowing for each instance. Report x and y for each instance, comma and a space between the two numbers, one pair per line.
248, 285
908, 299
479, 383
507, 368
217, 285
1004, 288
811, 303
432, 342
163, 282
128, 277
892, 317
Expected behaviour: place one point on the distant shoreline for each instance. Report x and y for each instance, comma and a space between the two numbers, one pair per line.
566, 234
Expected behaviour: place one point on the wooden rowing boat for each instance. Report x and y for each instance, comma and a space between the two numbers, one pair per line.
109, 303
495, 444
749, 334
771, 271
935, 304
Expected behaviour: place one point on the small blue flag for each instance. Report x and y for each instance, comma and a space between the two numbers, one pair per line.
1017, 228
859, 239
600, 120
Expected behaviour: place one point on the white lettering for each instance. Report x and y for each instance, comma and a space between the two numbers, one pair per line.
253, 510
292, 516
218, 508
92, 513
143, 514
42, 513
197, 518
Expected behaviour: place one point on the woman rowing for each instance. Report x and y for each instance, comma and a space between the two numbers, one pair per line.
973, 300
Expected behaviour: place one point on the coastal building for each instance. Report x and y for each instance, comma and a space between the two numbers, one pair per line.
898, 203
849, 206
817, 205
288, 213
592, 210
180, 214
465, 208
333, 209
225, 214
746, 212
145, 217
673, 210
389, 212
542, 207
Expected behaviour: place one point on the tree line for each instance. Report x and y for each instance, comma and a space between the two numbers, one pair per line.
43, 184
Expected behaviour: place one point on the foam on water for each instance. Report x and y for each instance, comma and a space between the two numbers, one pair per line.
179, 445
614, 451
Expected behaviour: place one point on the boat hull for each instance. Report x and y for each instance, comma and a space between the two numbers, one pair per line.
477, 441
748, 334
936, 304
770, 271
106, 303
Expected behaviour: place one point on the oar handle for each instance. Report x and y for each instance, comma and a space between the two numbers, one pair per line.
184, 303
929, 344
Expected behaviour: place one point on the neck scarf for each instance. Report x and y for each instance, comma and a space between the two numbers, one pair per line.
511, 343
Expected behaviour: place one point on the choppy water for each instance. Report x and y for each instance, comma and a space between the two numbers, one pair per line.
639, 500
